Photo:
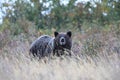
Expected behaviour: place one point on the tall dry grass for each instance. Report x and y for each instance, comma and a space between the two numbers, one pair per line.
96, 56
20, 67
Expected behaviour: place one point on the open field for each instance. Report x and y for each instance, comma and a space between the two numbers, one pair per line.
22, 68
95, 27
95, 57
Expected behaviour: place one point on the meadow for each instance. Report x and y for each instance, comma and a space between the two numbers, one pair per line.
95, 56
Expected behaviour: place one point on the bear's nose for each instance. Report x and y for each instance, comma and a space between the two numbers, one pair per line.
62, 40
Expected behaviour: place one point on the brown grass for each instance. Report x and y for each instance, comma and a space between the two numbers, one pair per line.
20, 67
96, 57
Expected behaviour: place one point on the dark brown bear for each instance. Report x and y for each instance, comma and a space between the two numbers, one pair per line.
62, 42
46, 45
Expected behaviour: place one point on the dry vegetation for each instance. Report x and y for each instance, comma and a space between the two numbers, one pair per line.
96, 56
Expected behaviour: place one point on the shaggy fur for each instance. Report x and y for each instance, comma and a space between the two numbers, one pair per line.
62, 42
45, 45
40, 46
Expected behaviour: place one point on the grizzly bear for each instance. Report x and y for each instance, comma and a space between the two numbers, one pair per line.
46, 45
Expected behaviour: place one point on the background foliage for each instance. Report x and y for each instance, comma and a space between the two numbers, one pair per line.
47, 14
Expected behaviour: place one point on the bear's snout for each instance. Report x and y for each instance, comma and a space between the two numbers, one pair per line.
62, 41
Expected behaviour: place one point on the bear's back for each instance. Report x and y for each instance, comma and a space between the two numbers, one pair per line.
38, 47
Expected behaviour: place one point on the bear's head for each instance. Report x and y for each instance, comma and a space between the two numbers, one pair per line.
62, 41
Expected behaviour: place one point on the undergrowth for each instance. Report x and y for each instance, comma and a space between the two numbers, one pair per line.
96, 54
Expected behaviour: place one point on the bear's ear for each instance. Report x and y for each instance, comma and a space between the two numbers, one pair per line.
55, 33
69, 33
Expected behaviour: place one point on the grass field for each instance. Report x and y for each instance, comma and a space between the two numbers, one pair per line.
96, 56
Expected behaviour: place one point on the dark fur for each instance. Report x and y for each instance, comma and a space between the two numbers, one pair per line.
39, 47
45, 45
59, 49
